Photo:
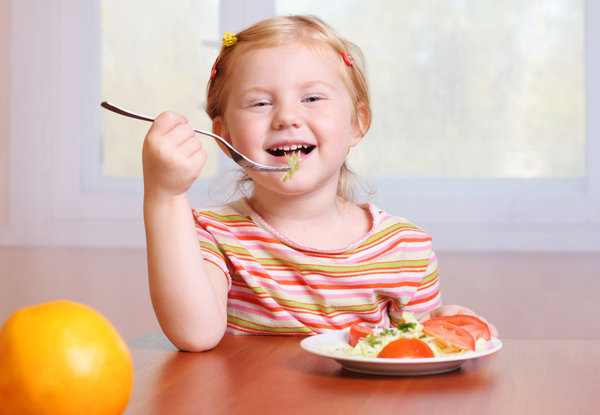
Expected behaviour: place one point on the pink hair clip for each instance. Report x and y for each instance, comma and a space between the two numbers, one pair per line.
348, 58
213, 71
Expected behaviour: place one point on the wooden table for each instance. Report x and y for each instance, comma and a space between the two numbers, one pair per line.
273, 375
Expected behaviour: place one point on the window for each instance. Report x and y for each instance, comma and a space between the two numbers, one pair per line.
468, 89
482, 113
496, 91
156, 62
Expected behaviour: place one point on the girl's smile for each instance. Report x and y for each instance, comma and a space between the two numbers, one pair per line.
280, 151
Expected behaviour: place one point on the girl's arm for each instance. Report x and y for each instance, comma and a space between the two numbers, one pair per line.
189, 295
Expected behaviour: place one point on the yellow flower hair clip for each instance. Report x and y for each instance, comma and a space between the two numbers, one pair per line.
229, 39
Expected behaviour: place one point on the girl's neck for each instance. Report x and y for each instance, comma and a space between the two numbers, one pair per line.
279, 207
318, 220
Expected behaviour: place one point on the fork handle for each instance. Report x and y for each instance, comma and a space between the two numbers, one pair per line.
114, 108
235, 155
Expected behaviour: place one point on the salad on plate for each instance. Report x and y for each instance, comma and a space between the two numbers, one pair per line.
436, 337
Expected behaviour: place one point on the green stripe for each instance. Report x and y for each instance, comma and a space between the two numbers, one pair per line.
391, 229
225, 218
256, 326
325, 309
269, 262
338, 269
211, 247
430, 277
236, 250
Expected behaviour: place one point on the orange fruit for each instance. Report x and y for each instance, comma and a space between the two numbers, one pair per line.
63, 358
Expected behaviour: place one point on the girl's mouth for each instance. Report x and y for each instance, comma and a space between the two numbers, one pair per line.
281, 151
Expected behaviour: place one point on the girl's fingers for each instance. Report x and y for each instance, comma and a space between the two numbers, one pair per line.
170, 139
165, 122
191, 155
189, 145
493, 330
179, 134
172, 155
448, 310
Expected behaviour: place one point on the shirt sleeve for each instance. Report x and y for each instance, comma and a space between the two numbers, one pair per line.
209, 246
426, 297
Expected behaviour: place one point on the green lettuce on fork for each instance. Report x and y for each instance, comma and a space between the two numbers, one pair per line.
293, 161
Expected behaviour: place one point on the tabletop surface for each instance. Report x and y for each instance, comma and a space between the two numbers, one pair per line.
269, 375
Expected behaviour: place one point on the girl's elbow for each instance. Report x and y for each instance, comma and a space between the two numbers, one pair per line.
196, 345
194, 342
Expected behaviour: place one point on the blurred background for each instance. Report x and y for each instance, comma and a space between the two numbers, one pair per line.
485, 133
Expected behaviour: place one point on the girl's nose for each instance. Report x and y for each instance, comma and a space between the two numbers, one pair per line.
286, 115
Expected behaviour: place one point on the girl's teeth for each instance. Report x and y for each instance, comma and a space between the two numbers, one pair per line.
280, 151
292, 147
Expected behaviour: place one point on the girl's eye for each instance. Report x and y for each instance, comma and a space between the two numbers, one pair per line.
312, 99
257, 103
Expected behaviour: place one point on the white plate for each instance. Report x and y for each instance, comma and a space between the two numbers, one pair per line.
326, 344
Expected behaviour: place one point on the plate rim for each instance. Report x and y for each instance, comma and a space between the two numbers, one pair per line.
307, 345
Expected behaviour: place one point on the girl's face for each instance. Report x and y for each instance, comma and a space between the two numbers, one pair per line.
287, 99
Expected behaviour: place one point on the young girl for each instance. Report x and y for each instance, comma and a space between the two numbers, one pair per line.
297, 257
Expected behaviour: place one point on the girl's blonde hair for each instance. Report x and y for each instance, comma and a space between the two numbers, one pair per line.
313, 32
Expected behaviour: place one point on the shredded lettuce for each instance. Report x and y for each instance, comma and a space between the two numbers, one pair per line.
371, 345
405, 327
293, 161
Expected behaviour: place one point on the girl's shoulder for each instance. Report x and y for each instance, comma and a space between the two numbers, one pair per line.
382, 218
387, 227
231, 212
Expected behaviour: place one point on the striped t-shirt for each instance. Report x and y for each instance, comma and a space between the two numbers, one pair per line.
279, 287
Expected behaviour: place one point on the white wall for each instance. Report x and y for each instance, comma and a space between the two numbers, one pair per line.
4, 114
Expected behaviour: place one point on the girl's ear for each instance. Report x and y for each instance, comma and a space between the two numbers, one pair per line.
219, 128
361, 124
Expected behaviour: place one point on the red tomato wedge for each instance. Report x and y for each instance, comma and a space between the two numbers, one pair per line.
358, 332
477, 328
449, 335
406, 348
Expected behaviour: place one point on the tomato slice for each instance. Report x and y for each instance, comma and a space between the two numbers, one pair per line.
410, 347
358, 332
477, 328
449, 335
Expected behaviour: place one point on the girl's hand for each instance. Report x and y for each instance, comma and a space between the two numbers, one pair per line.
172, 156
450, 310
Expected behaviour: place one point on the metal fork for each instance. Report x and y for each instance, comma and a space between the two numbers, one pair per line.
238, 157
